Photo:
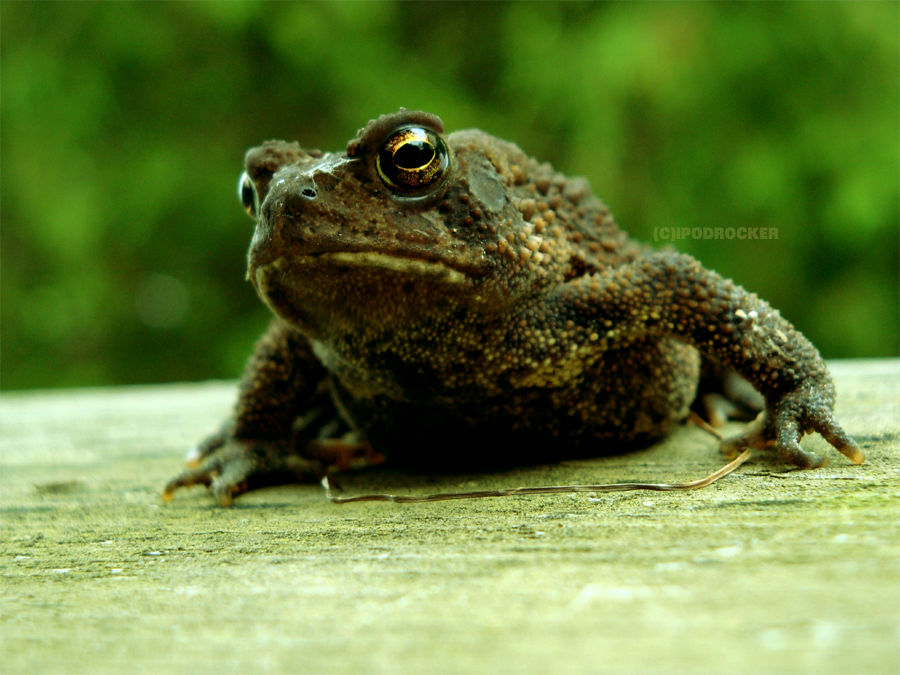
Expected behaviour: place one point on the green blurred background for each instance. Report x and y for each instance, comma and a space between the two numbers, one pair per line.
124, 127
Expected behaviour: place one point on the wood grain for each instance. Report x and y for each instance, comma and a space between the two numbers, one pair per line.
769, 570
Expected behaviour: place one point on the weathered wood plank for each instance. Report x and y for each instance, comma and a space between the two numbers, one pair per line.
769, 570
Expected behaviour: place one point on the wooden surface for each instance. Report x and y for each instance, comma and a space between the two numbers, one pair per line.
768, 571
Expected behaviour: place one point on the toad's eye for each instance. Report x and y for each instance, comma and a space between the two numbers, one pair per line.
413, 161
248, 196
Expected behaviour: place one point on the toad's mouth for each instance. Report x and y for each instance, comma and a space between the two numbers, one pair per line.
416, 267
421, 267
415, 263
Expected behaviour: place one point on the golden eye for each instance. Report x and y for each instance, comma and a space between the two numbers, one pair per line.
248, 196
412, 161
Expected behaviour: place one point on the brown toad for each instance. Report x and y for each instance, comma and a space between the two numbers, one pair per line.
444, 298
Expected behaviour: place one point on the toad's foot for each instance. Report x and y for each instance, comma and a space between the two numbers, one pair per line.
723, 395
230, 467
342, 454
797, 413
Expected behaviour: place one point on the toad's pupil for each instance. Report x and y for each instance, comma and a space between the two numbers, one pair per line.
413, 155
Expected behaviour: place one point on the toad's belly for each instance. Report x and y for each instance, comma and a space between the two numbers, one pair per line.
628, 396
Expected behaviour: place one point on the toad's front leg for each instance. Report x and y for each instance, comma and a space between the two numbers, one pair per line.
668, 294
262, 444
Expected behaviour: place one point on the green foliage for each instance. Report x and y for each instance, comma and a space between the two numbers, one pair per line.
124, 125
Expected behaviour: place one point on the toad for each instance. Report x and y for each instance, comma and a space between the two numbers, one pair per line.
449, 299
